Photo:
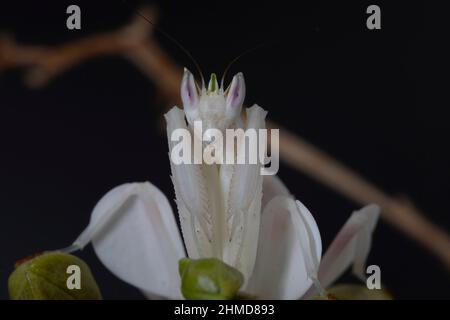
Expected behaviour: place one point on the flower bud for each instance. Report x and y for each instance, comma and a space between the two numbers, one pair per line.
209, 279
50, 276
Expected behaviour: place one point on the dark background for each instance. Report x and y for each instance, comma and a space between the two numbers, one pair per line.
372, 99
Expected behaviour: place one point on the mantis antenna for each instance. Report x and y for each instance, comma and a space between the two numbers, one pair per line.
175, 41
236, 59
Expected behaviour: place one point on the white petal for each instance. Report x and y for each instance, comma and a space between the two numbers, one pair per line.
289, 251
134, 234
242, 193
351, 246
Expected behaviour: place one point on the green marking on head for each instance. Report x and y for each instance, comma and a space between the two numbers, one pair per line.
213, 85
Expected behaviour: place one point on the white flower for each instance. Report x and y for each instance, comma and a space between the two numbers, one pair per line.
229, 211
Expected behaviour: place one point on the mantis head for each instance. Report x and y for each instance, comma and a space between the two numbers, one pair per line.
216, 107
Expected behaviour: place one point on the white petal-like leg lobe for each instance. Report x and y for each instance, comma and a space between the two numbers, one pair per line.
242, 193
351, 246
134, 234
289, 250
246, 253
192, 196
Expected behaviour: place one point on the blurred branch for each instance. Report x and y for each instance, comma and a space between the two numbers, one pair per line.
44, 62
135, 43
401, 213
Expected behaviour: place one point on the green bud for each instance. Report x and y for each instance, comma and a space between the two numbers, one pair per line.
354, 292
209, 279
46, 277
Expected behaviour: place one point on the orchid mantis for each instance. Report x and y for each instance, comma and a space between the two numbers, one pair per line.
226, 211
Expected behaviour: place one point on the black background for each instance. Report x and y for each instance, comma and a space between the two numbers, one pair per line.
376, 100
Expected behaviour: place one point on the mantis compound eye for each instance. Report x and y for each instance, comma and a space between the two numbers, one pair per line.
235, 96
189, 94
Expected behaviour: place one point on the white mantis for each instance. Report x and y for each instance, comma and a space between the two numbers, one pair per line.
226, 211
